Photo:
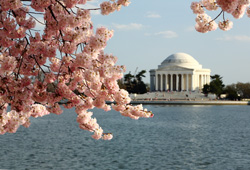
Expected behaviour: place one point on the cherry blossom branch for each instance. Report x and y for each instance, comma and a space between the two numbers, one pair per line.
235, 8
35, 19
34, 57
21, 57
84, 69
64, 7
216, 17
52, 13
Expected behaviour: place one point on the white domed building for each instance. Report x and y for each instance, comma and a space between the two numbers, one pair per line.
179, 72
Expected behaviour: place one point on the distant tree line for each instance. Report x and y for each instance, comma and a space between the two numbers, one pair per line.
238, 91
233, 92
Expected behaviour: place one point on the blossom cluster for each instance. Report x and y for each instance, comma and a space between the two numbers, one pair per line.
108, 7
204, 23
66, 62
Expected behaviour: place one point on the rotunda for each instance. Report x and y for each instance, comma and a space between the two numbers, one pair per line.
179, 72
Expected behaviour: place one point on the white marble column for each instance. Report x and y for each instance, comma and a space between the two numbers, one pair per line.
195, 82
182, 82
202, 81
153, 82
166, 82
171, 79
161, 85
187, 82
177, 82
156, 82
192, 82
198, 82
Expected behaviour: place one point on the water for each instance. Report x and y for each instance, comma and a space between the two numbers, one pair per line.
177, 138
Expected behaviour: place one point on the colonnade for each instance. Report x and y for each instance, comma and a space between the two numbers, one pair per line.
179, 82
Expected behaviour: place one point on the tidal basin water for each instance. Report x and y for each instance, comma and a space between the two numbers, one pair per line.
178, 137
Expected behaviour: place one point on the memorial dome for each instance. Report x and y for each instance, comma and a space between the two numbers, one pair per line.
181, 60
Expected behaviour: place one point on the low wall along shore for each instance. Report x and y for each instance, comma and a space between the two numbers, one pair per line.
217, 102
181, 98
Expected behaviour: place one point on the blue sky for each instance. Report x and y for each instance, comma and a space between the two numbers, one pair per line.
148, 31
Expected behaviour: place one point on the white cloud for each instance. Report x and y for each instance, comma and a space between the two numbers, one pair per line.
153, 15
167, 34
131, 26
234, 38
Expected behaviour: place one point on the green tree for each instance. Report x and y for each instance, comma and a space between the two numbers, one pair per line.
216, 85
140, 75
243, 89
140, 86
128, 79
206, 89
231, 92
134, 83
121, 84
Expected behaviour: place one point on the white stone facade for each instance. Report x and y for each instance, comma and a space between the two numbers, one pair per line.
179, 72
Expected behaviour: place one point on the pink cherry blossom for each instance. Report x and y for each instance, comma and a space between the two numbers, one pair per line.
239, 11
10, 4
204, 24
123, 2
122, 97
107, 136
107, 8
8, 64
98, 134
225, 25
228, 5
49, 77
248, 12
210, 5
55, 109
38, 110
197, 8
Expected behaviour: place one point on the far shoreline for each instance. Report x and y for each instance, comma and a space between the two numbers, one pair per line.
179, 102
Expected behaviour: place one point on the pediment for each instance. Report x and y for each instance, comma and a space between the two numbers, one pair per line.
174, 68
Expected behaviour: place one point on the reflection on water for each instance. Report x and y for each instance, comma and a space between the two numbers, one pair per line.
178, 137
